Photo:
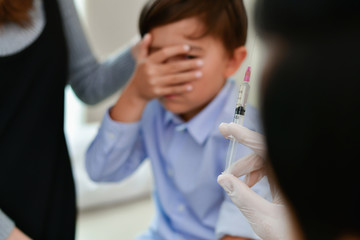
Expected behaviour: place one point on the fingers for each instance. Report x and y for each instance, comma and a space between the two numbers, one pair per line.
268, 220
252, 165
243, 197
180, 66
173, 84
142, 50
245, 136
254, 177
163, 54
173, 90
157, 76
178, 78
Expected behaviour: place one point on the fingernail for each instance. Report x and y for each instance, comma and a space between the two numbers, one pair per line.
198, 74
189, 88
186, 47
226, 184
199, 63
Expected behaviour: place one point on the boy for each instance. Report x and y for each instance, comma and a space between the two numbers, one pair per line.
169, 113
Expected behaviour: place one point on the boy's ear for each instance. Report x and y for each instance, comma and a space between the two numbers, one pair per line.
235, 61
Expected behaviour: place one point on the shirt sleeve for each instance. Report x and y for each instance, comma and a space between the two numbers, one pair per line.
116, 151
6, 226
92, 81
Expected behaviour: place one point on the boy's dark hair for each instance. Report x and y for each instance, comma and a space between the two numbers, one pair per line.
312, 132
302, 20
310, 111
225, 20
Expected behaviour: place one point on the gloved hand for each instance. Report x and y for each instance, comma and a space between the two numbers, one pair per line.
269, 220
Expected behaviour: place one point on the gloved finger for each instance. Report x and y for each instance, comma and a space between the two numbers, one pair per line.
269, 221
245, 136
243, 197
252, 178
246, 165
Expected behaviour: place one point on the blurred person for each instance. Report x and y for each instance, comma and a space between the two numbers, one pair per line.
171, 116
309, 102
43, 48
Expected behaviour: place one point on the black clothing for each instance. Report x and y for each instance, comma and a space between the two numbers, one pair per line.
36, 184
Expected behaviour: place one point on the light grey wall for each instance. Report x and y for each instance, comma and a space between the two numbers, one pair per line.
110, 24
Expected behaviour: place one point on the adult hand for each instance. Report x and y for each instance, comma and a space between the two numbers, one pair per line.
155, 76
159, 72
16, 234
269, 220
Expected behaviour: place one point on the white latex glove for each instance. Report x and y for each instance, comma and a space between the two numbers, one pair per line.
270, 220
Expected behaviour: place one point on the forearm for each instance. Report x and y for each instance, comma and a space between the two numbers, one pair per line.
116, 151
129, 107
92, 82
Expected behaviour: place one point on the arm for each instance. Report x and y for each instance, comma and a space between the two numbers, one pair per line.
92, 81
118, 149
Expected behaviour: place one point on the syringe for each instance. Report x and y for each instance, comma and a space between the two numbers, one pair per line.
238, 117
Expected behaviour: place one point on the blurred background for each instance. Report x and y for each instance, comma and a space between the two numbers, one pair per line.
121, 210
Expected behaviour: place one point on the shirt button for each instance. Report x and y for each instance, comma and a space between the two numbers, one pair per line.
181, 208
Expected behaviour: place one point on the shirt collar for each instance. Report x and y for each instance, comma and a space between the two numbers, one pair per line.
201, 126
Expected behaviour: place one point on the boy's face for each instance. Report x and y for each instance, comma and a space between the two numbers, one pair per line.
214, 70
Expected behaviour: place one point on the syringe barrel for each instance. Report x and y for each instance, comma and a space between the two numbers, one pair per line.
242, 99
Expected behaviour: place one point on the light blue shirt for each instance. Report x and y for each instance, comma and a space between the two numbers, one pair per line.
186, 159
